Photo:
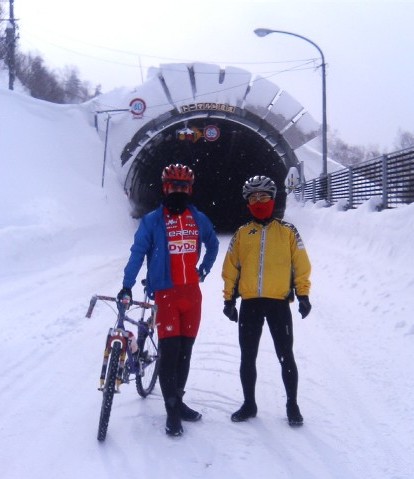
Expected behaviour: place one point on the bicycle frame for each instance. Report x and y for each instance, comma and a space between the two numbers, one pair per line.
128, 364
122, 357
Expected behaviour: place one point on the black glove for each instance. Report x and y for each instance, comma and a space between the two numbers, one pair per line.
124, 294
291, 296
230, 310
304, 305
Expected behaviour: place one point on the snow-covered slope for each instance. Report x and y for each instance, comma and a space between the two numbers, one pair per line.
63, 238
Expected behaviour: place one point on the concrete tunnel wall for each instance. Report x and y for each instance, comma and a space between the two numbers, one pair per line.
257, 130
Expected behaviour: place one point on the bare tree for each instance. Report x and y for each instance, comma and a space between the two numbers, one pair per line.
349, 155
72, 85
405, 139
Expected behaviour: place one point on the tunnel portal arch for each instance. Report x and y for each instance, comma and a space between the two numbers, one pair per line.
259, 129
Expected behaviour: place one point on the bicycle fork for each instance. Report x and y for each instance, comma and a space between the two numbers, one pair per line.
114, 335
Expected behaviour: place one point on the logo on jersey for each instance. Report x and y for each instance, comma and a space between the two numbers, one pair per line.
171, 222
299, 240
182, 233
182, 246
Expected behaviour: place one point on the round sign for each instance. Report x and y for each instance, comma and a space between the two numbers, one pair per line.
137, 106
211, 133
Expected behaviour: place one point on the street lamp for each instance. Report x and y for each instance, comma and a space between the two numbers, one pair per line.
262, 32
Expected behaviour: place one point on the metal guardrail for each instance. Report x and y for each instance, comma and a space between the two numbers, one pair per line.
390, 177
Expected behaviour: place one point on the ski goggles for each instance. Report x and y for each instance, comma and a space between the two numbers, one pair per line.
258, 197
177, 185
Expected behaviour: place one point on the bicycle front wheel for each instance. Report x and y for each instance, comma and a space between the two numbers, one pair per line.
148, 364
109, 391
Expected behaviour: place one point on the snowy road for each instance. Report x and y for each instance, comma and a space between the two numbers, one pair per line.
64, 238
355, 422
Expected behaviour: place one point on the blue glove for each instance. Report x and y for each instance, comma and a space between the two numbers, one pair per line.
304, 305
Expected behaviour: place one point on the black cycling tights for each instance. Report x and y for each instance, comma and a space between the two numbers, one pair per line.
279, 318
174, 365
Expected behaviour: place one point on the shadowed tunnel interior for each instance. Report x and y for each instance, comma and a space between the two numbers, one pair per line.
220, 167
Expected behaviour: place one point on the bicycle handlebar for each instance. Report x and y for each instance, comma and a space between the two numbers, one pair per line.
94, 299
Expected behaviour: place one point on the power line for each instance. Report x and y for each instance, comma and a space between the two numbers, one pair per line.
84, 54
300, 67
145, 55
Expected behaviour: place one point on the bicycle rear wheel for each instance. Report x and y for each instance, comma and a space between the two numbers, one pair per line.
109, 391
149, 359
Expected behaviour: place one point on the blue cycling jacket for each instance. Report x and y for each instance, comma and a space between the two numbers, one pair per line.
150, 240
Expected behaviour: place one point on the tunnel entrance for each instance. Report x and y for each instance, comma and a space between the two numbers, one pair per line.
257, 129
220, 167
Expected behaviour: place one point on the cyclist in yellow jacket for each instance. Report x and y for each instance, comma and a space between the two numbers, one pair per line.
265, 259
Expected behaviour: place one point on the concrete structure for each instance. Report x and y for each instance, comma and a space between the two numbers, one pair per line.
222, 122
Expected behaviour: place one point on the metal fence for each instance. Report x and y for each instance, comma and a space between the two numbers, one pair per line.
389, 177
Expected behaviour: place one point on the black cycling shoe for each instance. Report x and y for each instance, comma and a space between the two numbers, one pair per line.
294, 416
244, 413
188, 414
173, 425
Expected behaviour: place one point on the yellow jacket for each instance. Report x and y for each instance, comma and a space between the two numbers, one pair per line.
262, 260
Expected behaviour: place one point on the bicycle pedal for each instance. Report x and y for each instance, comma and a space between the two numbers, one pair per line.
117, 391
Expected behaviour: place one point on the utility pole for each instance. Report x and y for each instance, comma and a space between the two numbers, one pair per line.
11, 45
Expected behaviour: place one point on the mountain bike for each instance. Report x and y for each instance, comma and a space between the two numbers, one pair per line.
126, 355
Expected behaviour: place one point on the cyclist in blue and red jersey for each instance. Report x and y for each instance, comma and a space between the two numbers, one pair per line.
171, 237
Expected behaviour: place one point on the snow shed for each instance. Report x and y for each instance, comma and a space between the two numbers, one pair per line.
223, 123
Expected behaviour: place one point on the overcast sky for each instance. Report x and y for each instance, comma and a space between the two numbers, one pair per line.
368, 47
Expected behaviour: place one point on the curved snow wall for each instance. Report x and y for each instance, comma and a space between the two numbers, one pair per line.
223, 123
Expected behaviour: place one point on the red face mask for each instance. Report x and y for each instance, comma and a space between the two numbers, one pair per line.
262, 211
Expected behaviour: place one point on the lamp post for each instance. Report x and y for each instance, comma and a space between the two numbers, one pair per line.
262, 32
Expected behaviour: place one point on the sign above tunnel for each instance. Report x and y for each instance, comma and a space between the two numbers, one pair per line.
208, 106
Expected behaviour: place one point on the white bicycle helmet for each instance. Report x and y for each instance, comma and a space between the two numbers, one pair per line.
259, 183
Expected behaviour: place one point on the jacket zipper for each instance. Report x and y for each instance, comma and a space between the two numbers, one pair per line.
182, 254
261, 260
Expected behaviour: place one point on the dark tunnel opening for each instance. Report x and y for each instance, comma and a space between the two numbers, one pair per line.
221, 167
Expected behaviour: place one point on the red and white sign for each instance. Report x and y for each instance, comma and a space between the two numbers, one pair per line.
211, 133
138, 107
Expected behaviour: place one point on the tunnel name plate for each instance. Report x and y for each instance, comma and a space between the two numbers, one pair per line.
208, 106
